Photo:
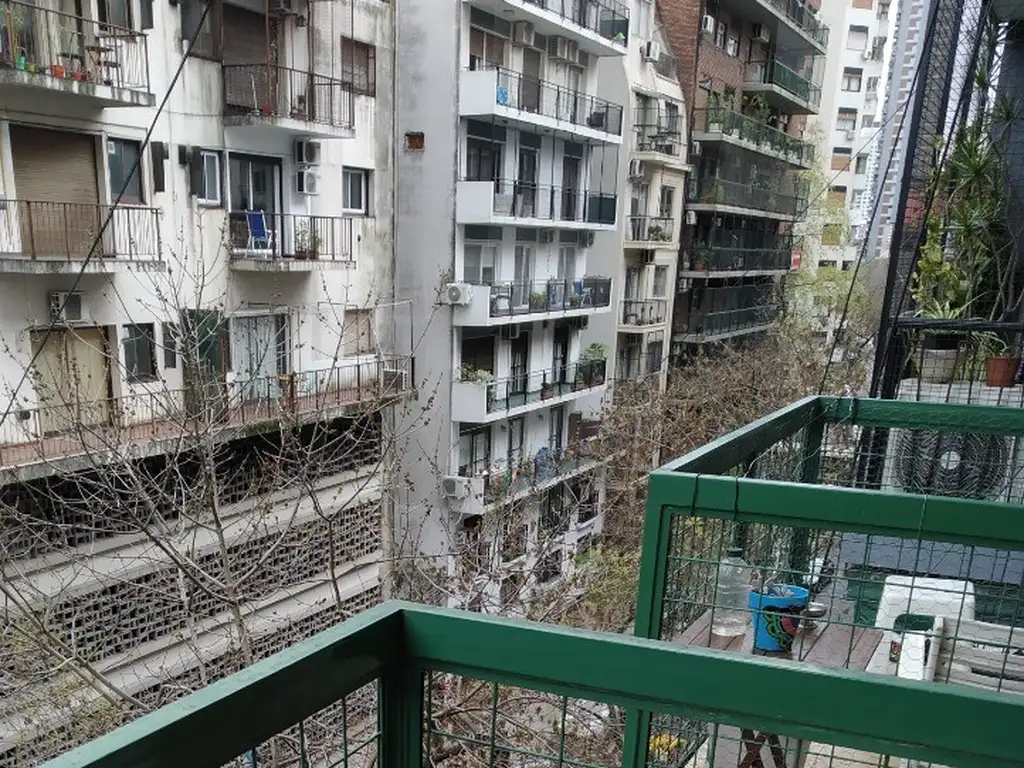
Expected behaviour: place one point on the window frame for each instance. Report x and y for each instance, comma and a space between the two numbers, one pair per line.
205, 199
660, 276
852, 75
103, 15
134, 333
115, 146
364, 182
361, 53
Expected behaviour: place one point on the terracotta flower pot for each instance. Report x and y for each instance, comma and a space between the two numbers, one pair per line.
999, 371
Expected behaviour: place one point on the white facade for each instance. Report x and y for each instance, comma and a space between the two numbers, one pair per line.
265, 198
508, 175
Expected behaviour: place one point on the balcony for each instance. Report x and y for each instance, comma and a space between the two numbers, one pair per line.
299, 102
479, 402
721, 312
100, 64
145, 421
658, 137
504, 202
650, 231
643, 312
709, 193
545, 468
782, 87
718, 124
598, 27
298, 243
44, 238
530, 104
794, 26
508, 302
731, 252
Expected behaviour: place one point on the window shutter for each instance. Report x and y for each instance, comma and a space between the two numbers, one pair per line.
157, 156
197, 183
131, 361
145, 14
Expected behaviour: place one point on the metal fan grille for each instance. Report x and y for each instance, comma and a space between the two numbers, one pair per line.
961, 464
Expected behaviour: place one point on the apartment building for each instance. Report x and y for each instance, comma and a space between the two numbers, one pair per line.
509, 164
191, 463
643, 254
758, 74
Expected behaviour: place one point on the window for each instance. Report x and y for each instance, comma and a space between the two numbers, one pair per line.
832, 234
837, 195
123, 161
868, 121
857, 39
852, 79
357, 332
478, 263
139, 352
355, 183
668, 195
846, 120
655, 352
861, 166
856, 198
359, 66
732, 45
169, 336
208, 39
872, 86
486, 51
841, 158
115, 12
206, 178
660, 281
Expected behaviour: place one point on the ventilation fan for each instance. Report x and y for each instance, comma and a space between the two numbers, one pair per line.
960, 464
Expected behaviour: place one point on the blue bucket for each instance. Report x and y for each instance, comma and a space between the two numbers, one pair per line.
776, 619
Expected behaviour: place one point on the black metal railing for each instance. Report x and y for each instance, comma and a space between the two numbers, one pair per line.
38, 229
268, 91
537, 386
754, 132
657, 131
524, 298
800, 13
608, 18
737, 251
530, 94
774, 72
59, 45
710, 190
651, 229
292, 236
666, 66
729, 309
529, 200
644, 311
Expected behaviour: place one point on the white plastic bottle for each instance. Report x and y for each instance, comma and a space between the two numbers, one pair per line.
731, 615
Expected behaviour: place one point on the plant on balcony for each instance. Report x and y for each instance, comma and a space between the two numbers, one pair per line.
591, 363
538, 301
715, 112
701, 257
657, 233
307, 242
547, 389
473, 375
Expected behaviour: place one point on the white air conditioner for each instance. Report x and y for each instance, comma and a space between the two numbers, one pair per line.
761, 34
563, 48
648, 257
695, 149
547, 236
586, 239
636, 169
457, 294
522, 33
67, 307
455, 487
707, 24
306, 182
307, 152
851, 135
868, 54
510, 332
691, 218
652, 51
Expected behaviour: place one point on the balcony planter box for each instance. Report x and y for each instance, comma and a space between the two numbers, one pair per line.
547, 391
1000, 371
538, 302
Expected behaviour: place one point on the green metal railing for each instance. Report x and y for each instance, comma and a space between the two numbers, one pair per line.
774, 72
711, 190
406, 685
729, 122
864, 503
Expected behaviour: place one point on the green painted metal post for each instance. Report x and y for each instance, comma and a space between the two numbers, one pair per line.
400, 715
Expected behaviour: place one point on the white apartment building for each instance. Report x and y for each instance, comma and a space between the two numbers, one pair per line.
233, 288
509, 171
643, 254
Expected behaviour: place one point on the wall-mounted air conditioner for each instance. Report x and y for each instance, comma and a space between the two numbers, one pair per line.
696, 149
707, 24
306, 182
510, 332
67, 307
564, 49
652, 51
307, 152
586, 239
691, 218
457, 294
523, 33
547, 236
456, 487
636, 169
761, 34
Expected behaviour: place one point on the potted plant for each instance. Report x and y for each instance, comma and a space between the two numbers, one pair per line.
1000, 362
547, 391
701, 258
579, 380
307, 242
480, 378
715, 113
593, 358
538, 301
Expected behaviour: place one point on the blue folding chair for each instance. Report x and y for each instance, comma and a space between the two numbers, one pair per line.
260, 237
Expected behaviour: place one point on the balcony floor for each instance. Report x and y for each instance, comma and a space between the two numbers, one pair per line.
274, 266
97, 94
21, 265
257, 127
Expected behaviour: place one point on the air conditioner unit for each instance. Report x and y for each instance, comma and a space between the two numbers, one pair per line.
648, 257
457, 294
696, 149
707, 24
636, 169
306, 182
851, 135
563, 48
510, 332
761, 34
691, 218
585, 239
652, 51
547, 236
868, 54
307, 152
522, 33
67, 307
455, 487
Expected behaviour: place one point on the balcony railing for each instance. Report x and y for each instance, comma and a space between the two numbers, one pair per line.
644, 311
529, 200
658, 131
537, 296
608, 18
71, 427
530, 94
709, 190
751, 130
53, 44
728, 251
549, 464
266, 91
774, 72
294, 236
650, 229
729, 309
800, 14
538, 386
37, 229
